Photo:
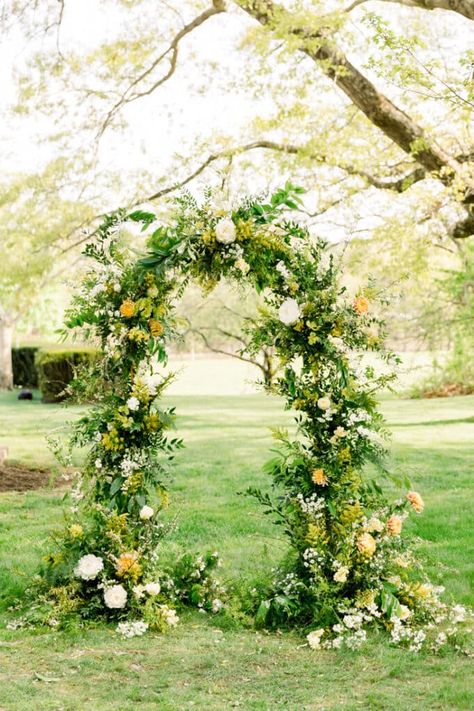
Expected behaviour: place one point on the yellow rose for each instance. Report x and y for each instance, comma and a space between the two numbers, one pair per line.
319, 477
128, 566
127, 308
360, 304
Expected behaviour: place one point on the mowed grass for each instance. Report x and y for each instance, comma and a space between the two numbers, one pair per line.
210, 664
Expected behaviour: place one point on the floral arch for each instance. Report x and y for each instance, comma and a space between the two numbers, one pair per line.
348, 567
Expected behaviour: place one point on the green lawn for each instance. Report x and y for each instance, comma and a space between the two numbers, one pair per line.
205, 664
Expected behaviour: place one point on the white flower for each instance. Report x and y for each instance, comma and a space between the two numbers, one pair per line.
340, 576
138, 591
169, 615
115, 597
225, 231
324, 403
404, 612
153, 589
242, 266
132, 629
281, 267
217, 605
289, 312
146, 512
133, 403
314, 638
88, 567
98, 464
117, 288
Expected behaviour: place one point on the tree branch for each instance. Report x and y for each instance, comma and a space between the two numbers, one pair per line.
132, 93
462, 7
381, 112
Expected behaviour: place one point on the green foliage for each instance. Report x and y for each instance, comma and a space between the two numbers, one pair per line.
57, 369
25, 373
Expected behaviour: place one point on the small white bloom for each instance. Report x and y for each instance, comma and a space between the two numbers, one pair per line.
88, 567
289, 312
169, 615
146, 512
117, 287
314, 638
242, 266
133, 403
115, 597
98, 464
225, 231
153, 589
340, 576
217, 605
138, 591
132, 629
281, 267
324, 403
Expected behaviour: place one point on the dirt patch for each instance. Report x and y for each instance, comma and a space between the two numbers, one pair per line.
16, 477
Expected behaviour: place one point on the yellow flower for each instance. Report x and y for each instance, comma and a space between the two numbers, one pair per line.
319, 477
136, 334
351, 513
76, 530
416, 501
127, 308
365, 598
128, 566
312, 339
366, 544
360, 305
152, 422
375, 524
394, 525
156, 329
423, 591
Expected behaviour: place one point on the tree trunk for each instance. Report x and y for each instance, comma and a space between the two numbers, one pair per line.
6, 368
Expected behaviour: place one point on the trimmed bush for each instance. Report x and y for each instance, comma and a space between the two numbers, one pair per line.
25, 374
56, 370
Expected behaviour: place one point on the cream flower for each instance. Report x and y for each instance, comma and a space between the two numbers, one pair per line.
394, 525
88, 567
404, 612
153, 589
324, 403
314, 638
146, 512
289, 312
115, 597
133, 403
340, 576
225, 231
169, 615
242, 266
375, 524
366, 544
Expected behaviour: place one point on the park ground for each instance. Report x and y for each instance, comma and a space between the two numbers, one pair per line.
208, 662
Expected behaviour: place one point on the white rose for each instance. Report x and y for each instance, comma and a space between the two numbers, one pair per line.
324, 403
340, 576
225, 231
146, 512
115, 597
289, 312
88, 567
375, 524
169, 615
133, 403
217, 605
314, 638
153, 589
281, 267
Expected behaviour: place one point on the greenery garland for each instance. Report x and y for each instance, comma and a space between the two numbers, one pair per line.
348, 568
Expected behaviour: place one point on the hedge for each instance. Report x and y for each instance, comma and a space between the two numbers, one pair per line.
56, 370
25, 374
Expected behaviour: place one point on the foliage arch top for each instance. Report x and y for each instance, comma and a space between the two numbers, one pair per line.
348, 567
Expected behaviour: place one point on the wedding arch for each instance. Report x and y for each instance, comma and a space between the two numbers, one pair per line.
348, 567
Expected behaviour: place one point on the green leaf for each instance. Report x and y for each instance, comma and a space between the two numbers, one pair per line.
262, 613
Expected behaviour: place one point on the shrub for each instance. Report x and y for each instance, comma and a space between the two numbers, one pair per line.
56, 370
24, 370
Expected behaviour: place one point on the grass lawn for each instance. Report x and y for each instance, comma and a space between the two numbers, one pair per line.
204, 663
